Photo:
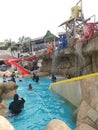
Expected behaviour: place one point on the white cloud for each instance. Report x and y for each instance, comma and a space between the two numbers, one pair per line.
34, 17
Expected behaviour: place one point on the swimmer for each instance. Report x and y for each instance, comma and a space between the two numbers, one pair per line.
20, 78
30, 87
16, 105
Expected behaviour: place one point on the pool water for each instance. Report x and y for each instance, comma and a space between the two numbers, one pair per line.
41, 106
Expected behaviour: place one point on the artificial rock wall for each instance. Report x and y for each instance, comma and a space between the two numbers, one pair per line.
83, 93
73, 60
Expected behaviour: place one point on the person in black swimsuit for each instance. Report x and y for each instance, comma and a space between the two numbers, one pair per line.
17, 104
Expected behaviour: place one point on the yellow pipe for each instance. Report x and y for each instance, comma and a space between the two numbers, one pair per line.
73, 79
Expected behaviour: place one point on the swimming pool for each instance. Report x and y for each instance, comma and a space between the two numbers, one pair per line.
40, 107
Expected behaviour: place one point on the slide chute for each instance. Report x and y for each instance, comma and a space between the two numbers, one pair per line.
13, 61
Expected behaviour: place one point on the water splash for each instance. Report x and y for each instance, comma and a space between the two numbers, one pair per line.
79, 58
54, 61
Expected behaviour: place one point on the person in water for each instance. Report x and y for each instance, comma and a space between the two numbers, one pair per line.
34, 76
17, 104
37, 78
4, 78
13, 77
20, 78
53, 78
30, 87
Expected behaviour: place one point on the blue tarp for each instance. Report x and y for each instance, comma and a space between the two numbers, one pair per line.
62, 42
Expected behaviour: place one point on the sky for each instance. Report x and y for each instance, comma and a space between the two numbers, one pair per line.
32, 18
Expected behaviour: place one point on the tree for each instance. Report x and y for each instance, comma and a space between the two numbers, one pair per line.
25, 43
7, 43
49, 37
13, 49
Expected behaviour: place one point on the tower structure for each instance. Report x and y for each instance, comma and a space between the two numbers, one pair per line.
73, 25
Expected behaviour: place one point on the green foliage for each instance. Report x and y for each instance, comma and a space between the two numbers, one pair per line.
8, 44
13, 48
49, 37
25, 43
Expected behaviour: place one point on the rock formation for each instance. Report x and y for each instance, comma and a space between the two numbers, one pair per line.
7, 90
56, 125
5, 124
69, 62
87, 112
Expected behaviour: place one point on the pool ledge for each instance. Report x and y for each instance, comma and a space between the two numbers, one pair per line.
72, 89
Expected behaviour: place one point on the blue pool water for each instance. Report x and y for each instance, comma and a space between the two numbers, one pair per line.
40, 107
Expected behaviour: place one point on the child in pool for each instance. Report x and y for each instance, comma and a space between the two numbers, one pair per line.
30, 87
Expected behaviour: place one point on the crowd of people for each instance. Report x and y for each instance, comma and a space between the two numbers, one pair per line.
16, 106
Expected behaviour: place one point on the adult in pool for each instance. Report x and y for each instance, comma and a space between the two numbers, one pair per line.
17, 104
13, 77
37, 78
53, 78
34, 76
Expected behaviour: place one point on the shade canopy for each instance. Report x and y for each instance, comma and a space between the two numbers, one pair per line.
67, 21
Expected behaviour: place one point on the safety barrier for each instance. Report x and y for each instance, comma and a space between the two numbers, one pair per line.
70, 89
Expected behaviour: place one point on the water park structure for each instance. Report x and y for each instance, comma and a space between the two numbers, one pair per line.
81, 89
77, 26
14, 63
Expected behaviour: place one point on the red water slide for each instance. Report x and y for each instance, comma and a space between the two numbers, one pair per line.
14, 61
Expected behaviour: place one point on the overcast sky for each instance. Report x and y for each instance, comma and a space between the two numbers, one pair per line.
34, 17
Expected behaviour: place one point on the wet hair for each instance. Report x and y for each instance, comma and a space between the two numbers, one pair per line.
16, 97
30, 86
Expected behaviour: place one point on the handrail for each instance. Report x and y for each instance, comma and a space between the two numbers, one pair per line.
73, 79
